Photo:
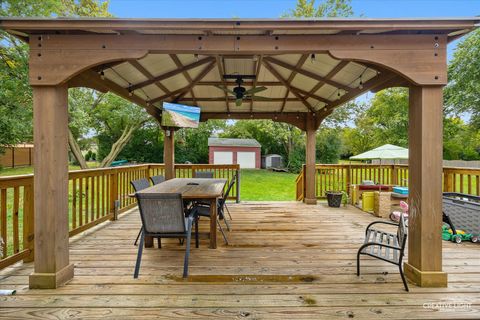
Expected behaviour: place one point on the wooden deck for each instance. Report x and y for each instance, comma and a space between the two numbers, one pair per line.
285, 261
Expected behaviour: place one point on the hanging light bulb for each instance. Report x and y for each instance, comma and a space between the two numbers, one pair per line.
195, 56
312, 58
130, 91
360, 85
255, 58
102, 75
339, 94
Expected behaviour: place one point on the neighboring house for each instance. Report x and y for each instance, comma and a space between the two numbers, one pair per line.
20, 155
245, 152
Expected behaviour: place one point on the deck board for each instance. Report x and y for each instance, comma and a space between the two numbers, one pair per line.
286, 260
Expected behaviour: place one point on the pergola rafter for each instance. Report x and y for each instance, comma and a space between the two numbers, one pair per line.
171, 73
277, 75
179, 65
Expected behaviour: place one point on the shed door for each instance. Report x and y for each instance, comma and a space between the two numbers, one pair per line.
223, 157
246, 159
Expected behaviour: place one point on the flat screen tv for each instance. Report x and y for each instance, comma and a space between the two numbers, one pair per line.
178, 115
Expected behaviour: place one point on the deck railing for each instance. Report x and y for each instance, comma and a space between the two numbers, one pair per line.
342, 176
94, 196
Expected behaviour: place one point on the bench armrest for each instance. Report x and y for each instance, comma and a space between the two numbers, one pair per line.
380, 222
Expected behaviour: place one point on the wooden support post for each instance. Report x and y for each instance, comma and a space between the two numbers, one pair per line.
310, 174
50, 114
394, 175
424, 266
169, 153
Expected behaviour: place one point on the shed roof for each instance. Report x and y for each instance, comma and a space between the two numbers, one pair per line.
228, 142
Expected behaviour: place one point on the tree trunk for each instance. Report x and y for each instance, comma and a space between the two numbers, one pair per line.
75, 148
118, 146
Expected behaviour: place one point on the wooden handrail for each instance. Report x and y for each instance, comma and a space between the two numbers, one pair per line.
342, 176
94, 195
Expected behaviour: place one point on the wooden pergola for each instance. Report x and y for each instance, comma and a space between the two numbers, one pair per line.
309, 67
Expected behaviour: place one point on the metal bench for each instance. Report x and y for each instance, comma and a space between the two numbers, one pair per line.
385, 246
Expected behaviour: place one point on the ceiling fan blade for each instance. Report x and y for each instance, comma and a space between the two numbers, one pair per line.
260, 98
255, 90
225, 89
238, 102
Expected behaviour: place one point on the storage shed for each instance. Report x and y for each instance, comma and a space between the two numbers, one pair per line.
272, 161
245, 152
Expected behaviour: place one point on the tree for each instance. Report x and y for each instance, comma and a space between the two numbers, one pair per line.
462, 92
115, 121
327, 8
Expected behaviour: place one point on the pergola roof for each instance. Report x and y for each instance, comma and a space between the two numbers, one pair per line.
230, 142
296, 82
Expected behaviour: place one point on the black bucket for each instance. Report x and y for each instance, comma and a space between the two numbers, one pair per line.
334, 199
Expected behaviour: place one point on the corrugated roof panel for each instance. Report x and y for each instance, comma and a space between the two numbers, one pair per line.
111, 75
322, 64
153, 91
129, 73
176, 82
289, 58
213, 75
302, 82
212, 106
265, 75
328, 92
294, 106
157, 64
349, 74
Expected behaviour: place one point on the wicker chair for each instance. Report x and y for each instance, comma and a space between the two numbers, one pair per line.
203, 174
163, 216
157, 179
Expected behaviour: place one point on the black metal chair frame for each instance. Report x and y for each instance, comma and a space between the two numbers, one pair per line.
187, 234
204, 174
138, 185
157, 179
400, 248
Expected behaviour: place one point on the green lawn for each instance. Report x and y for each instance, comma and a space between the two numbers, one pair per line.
27, 170
264, 185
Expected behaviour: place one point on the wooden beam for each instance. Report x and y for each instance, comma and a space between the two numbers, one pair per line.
307, 73
310, 161
172, 73
169, 153
148, 75
277, 75
50, 113
246, 83
221, 72
179, 65
232, 99
92, 76
424, 265
182, 91
256, 71
342, 64
294, 118
355, 92
299, 64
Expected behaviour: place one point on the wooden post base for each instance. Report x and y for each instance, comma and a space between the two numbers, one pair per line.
425, 278
310, 201
51, 280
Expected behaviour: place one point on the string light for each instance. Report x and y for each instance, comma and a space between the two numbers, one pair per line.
360, 85
102, 75
130, 91
312, 58
195, 56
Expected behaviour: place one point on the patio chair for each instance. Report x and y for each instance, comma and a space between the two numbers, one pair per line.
138, 185
385, 246
203, 174
157, 179
163, 216
202, 210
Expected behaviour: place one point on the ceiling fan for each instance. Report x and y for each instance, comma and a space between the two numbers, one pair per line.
239, 92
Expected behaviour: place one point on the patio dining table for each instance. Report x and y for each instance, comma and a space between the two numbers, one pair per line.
208, 190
